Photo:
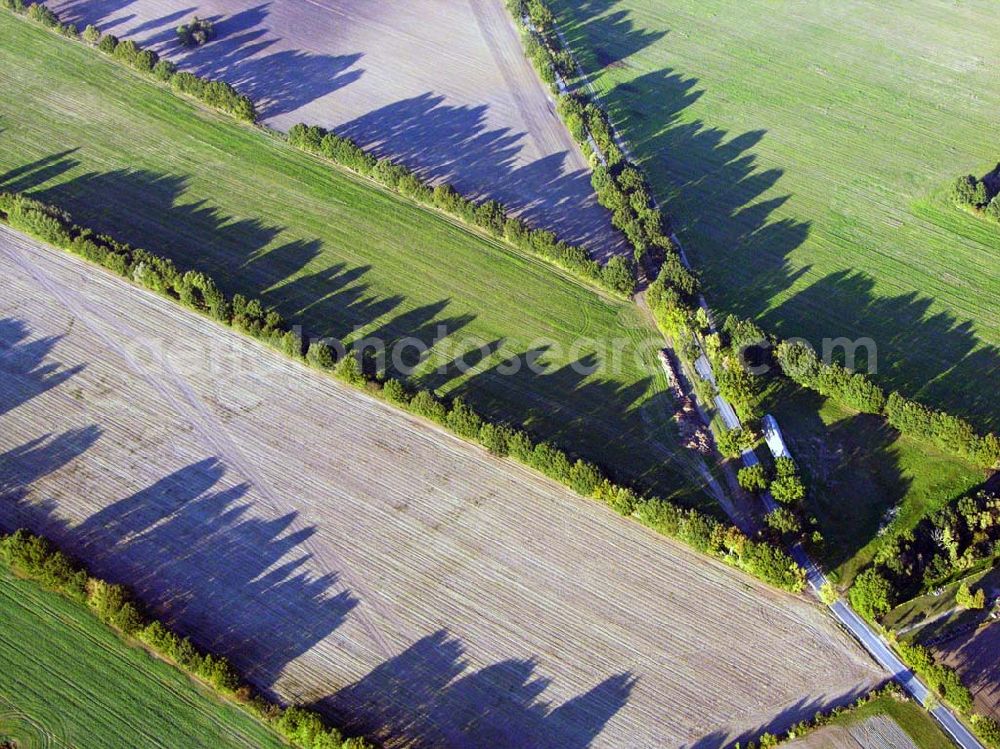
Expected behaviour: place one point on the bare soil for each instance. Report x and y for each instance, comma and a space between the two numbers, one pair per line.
344, 553
975, 655
441, 85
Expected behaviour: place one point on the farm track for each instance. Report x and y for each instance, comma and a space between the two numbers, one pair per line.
515, 613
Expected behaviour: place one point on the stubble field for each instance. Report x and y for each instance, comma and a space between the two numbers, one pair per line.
337, 255
342, 552
441, 85
805, 149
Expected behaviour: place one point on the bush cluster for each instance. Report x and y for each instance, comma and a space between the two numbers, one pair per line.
980, 195
199, 292
950, 543
491, 216
762, 559
37, 559
217, 94
942, 680
620, 186
197, 32
191, 288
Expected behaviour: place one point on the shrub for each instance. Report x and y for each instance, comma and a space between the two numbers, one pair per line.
463, 420
732, 442
788, 489
783, 521
395, 392
320, 355
108, 44
619, 275
872, 595
425, 404
752, 478
969, 600
91, 34
41, 14
197, 32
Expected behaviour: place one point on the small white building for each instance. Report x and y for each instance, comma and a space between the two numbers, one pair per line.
772, 435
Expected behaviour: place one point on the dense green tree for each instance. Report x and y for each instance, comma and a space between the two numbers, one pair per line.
872, 595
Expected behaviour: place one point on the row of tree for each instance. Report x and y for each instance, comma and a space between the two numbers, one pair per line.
199, 292
981, 195
36, 558
858, 391
491, 216
217, 94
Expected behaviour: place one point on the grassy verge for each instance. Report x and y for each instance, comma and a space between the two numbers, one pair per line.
69, 677
331, 251
911, 717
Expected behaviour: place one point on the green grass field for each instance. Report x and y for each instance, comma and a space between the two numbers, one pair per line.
804, 151
68, 680
909, 716
333, 252
857, 468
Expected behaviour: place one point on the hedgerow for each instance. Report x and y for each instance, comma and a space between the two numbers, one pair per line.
491, 216
199, 292
37, 558
217, 94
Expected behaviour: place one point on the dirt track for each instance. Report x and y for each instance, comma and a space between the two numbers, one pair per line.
440, 84
340, 551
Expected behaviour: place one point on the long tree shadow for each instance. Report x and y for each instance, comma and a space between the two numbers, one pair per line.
608, 37
576, 427
427, 697
722, 205
245, 255
280, 81
26, 366
454, 144
203, 558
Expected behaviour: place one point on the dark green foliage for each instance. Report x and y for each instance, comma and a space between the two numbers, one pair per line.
941, 679
320, 355
732, 442
463, 421
395, 392
108, 44
948, 432
41, 14
784, 521
216, 94
619, 275
788, 490
495, 438
350, 371
752, 478
872, 595
964, 190
491, 216
196, 33
426, 404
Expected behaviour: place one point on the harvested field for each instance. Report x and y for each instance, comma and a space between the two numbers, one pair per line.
337, 255
804, 151
442, 85
975, 656
342, 552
